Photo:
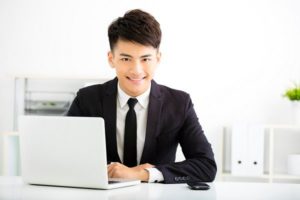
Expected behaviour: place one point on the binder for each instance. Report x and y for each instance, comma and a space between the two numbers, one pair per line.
247, 149
255, 150
238, 149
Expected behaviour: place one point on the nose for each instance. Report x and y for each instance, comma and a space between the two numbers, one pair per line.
137, 68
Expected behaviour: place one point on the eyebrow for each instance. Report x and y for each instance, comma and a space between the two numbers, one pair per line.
143, 56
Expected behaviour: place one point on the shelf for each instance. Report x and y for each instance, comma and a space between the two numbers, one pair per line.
275, 176
283, 126
47, 96
283, 135
286, 176
266, 178
46, 107
227, 174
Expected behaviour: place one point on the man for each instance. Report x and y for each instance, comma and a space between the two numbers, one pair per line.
145, 121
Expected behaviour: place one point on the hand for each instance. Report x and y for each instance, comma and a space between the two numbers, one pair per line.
118, 170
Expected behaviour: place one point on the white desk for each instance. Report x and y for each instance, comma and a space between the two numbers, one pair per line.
12, 188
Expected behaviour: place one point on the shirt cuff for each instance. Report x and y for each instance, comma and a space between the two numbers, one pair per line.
155, 175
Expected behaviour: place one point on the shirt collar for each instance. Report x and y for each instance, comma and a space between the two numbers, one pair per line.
143, 99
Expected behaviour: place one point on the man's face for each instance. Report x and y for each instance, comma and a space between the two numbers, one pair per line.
135, 65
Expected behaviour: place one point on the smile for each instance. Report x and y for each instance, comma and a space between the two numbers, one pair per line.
136, 80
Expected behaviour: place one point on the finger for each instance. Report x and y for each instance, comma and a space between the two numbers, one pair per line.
148, 165
144, 166
112, 163
111, 172
110, 169
113, 168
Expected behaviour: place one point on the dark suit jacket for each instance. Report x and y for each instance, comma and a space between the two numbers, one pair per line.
171, 121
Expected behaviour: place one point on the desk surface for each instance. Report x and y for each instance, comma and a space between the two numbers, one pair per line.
14, 188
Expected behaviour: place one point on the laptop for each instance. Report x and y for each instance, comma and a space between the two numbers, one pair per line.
65, 151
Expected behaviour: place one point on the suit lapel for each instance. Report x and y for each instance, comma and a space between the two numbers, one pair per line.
152, 130
109, 114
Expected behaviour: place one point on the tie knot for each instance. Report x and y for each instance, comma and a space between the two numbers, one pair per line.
131, 102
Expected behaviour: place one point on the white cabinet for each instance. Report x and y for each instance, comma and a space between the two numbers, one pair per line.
280, 141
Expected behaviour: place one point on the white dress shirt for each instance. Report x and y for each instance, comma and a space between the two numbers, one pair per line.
141, 109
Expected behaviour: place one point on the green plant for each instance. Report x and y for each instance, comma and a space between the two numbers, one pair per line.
293, 93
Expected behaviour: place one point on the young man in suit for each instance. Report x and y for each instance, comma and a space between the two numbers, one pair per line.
145, 121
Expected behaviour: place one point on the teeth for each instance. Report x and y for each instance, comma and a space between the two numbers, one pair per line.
136, 79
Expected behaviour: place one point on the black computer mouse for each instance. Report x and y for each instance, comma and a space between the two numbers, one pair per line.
197, 185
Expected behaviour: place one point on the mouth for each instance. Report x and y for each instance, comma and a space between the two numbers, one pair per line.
136, 80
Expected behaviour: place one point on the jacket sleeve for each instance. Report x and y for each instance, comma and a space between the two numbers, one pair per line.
199, 164
74, 109
77, 106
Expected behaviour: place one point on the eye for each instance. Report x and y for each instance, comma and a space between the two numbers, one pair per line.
125, 59
146, 59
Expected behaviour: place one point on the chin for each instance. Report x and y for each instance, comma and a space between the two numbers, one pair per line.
136, 91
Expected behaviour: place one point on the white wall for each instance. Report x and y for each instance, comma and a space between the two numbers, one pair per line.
234, 57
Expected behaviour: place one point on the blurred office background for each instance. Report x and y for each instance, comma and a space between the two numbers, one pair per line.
236, 58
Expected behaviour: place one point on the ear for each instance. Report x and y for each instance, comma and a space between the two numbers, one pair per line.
110, 57
158, 57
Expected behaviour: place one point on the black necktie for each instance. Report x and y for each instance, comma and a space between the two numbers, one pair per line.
130, 135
